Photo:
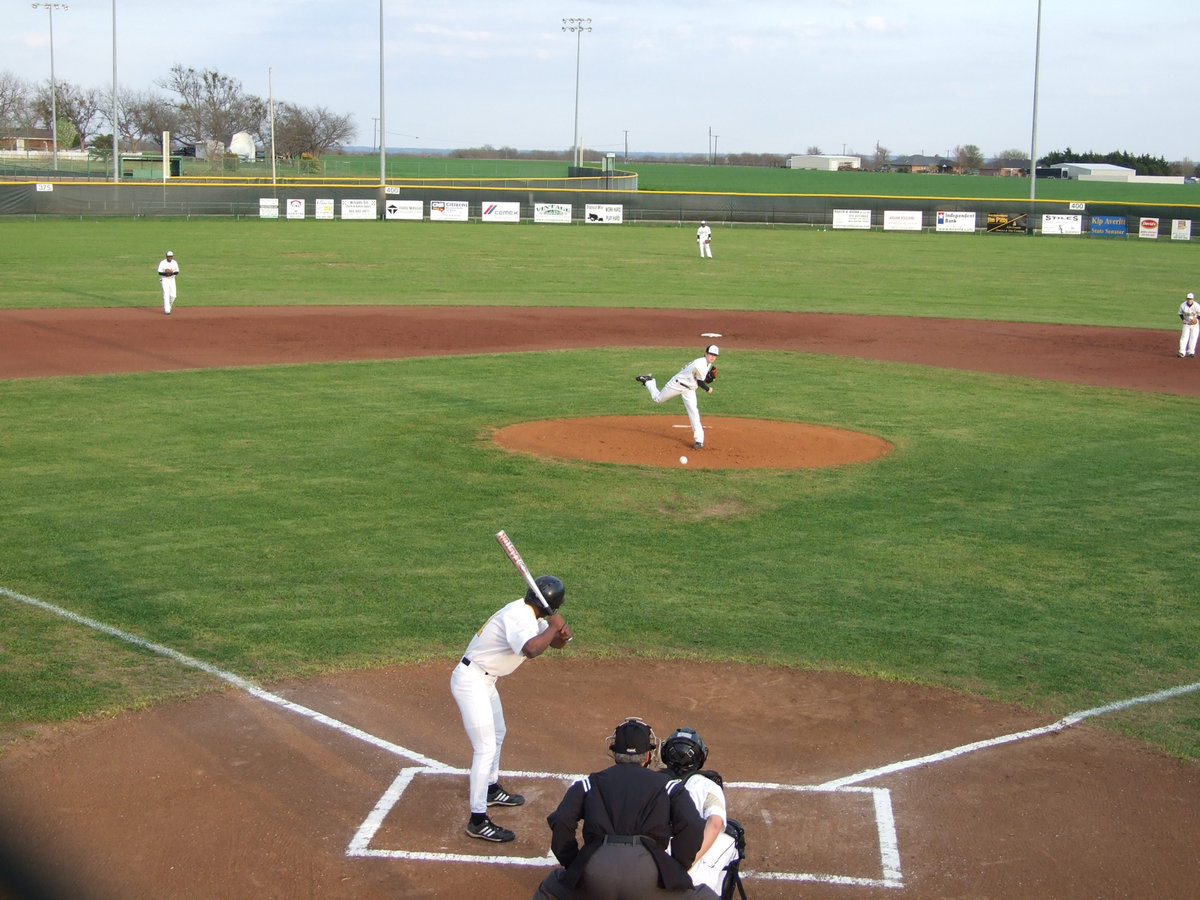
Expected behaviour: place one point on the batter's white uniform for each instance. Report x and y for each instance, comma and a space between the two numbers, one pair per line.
494, 651
684, 385
167, 270
704, 239
709, 798
1189, 311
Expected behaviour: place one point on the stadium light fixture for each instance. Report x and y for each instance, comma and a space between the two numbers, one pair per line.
578, 26
50, 8
1037, 62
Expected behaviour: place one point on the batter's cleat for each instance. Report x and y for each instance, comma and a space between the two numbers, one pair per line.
697, 446
642, 379
487, 830
498, 796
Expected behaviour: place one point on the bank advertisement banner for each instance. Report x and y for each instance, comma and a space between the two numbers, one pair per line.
410, 210
604, 213
955, 221
355, 208
1057, 223
852, 218
902, 220
552, 213
1107, 226
447, 210
492, 211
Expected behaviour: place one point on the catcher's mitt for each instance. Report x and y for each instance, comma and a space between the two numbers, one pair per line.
711, 376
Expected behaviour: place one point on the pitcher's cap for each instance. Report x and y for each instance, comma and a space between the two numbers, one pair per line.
1191, 296
169, 253
713, 349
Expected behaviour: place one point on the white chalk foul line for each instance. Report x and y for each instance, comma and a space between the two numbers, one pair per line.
236, 680
1062, 724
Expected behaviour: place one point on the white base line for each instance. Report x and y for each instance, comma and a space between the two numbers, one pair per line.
1061, 725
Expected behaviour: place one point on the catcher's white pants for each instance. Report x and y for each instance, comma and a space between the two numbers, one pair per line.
168, 286
688, 395
1187, 340
483, 717
705, 249
710, 868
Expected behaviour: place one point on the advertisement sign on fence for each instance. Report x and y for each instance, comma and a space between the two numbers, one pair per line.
552, 213
1006, 223
295, 209
604, 213
1181, 229
852, 218
1053, 223
403, 209
955, 221
323, 208
1107, 226
1148, 228
448, 210
268, 207
902, 220
492, 211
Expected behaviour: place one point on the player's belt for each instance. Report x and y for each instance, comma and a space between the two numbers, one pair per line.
622, 839
467, 662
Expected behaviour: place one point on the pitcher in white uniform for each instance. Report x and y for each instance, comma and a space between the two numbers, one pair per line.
516, 632
696, 375
1189, 313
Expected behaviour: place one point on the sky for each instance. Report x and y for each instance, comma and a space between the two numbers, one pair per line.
667, 76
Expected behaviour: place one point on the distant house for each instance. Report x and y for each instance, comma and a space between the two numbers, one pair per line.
921, 163
1006, 167
30, 140
824, 162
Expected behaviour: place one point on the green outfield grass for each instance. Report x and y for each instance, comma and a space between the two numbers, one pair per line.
1026, 541
1119, 282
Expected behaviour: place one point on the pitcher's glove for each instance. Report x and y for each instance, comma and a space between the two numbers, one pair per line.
711, 376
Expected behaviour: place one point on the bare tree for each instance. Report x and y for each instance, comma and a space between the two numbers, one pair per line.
879, 162
15, 101
78, 106
213, 106
142, 117
813, 150
968, 158
309, 129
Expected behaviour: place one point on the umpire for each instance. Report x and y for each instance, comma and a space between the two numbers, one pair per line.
630, 814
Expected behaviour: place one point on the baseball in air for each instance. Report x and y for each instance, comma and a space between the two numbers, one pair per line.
683, 460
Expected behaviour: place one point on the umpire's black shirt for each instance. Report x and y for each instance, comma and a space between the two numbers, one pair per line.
628, 799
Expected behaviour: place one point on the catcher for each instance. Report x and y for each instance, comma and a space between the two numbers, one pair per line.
1189, 312
699, 374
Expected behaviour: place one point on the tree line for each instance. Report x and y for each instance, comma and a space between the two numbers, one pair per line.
199, 106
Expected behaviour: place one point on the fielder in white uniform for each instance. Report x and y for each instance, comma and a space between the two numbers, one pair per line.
684, 754
167, 270
516, 632
1189, 312
684, 385
704, 239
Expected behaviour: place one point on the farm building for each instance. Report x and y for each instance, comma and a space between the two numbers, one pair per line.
827, 163
1095, 171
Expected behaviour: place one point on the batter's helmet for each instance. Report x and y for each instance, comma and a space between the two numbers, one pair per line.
684, 752
552, 589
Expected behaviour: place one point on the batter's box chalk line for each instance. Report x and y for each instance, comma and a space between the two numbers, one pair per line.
879, 801
880, 798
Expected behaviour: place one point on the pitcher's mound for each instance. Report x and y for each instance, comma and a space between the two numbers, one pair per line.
729, 443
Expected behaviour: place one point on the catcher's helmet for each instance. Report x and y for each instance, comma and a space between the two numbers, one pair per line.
684, 752
552, 589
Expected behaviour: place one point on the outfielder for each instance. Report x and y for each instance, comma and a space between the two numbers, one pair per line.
704, 239
699, 373
515, 633
1189, 312
167, 270
684, 754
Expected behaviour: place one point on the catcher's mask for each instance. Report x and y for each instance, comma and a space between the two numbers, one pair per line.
552, 589
684, 752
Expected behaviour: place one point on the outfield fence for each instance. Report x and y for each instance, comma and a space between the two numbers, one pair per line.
189, 198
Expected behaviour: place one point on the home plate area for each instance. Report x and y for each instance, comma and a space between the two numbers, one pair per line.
842, 835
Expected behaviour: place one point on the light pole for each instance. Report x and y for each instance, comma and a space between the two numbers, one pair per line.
50, 8
116, 149
1037, 62
578, 26
382, 132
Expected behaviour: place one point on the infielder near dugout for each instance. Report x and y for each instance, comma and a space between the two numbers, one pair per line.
516, 632
167, 270
700, 373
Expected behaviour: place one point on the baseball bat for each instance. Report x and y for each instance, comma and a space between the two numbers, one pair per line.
515, 557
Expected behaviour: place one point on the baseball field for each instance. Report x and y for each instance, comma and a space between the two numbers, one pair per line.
244, 545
